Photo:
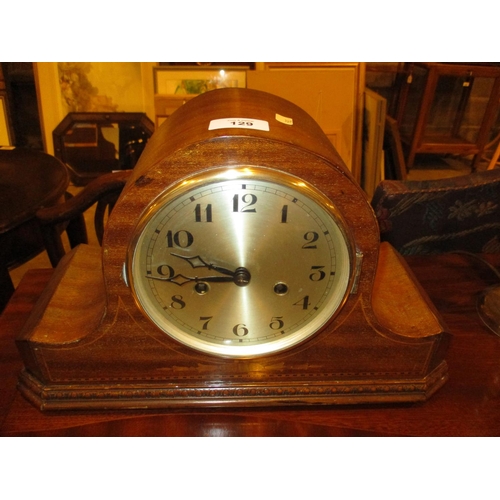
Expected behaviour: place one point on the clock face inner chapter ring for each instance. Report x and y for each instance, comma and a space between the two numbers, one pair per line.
240, 262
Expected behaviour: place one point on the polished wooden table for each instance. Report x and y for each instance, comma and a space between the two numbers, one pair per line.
29, 180
467, 405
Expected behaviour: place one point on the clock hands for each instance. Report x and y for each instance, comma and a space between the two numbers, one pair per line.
197, 261
180, 279
240, 276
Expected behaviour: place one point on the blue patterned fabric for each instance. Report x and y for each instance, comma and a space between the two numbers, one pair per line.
430, 217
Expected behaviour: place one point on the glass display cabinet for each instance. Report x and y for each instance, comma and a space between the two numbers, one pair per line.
448, 108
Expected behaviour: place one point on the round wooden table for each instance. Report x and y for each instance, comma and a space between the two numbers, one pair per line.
29, 180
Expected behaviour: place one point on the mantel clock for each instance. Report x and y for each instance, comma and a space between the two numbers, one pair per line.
241, 266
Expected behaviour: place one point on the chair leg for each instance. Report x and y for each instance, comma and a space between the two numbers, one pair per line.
99, 215
53, 244
6, 287
494, 159
77, 231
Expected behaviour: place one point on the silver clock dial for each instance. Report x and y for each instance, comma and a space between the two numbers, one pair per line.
240, 262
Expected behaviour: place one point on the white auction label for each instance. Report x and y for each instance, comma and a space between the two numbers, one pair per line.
250, 123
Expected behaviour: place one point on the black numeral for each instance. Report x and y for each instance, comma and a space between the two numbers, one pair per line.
241, 123
310, 237
304, 303
284, 213
276, 323
240, 330
248, 200
181, 239
165, 270
206, 320
318, 275
177, 302
198, 213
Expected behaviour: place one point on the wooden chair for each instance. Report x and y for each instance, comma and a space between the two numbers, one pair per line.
494, 158
437, 216
104, 190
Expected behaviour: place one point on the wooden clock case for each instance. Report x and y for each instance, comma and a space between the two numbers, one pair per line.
87, 345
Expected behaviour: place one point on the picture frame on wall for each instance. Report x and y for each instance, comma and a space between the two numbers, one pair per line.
175, 85
375, 112
5, 138
331, 93
109, 87
178, 81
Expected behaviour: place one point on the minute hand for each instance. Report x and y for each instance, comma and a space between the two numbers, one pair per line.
197, 261
180, 279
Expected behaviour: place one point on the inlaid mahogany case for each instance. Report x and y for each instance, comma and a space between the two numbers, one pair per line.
87, 345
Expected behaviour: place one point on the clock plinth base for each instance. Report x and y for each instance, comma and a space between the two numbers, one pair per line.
156, 396
81, 359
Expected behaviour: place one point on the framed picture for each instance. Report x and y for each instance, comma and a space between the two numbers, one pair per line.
91, 87
174, 86
5, 139
373, 141
332, 93
193, 81
395, 165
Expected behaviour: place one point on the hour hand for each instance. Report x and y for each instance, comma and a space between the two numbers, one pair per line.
180, 279
240, 276
197, 261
